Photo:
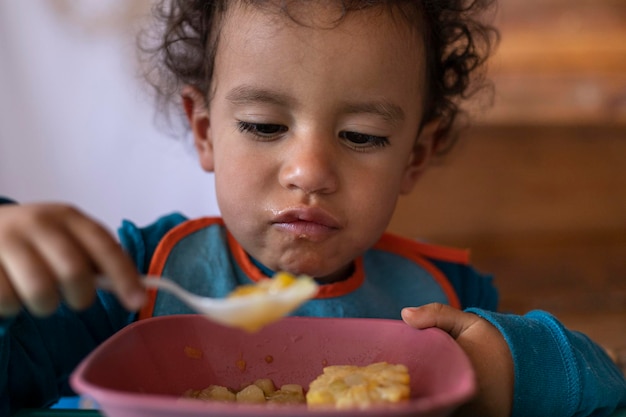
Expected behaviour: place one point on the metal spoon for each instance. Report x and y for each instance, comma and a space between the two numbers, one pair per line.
249, 312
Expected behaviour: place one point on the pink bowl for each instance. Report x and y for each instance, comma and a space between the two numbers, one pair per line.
143, 370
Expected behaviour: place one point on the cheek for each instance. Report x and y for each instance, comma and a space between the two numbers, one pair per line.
384, 208
234, 190
241, 181
232, 178
375, 201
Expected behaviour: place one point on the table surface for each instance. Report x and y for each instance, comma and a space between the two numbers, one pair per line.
95, 413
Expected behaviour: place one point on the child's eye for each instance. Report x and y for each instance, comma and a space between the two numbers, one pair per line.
362, 141
263, 130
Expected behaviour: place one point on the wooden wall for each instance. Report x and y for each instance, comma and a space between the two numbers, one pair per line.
537, 186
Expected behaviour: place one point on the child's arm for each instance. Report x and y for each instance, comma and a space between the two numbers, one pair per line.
528, 365
49, 252
4, 200
486, 349
37, 355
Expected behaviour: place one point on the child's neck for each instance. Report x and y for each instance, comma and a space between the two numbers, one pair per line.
337, 276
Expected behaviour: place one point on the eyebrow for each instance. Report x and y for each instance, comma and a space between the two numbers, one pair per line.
246, 94
388, 111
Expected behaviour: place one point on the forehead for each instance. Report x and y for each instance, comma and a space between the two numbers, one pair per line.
401, 22
329, 13
313, 37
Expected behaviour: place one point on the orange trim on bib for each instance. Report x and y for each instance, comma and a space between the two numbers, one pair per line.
404, 245
243, 260
336, 289
418, 251
162, 251
346, 286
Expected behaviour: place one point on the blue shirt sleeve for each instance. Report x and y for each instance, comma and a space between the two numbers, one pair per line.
4, 200
38, 355
558, 372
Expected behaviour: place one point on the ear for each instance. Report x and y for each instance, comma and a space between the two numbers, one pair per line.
197, 113
420, 156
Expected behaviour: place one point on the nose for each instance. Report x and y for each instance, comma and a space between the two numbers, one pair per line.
310, 165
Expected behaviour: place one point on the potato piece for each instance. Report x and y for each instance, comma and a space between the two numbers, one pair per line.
191, 393
266, 385
288, 394
295, 388
251, 394
216, 393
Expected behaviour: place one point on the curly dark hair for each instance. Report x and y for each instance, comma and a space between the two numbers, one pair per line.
180, 49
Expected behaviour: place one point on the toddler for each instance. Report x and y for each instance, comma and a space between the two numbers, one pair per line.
314, 116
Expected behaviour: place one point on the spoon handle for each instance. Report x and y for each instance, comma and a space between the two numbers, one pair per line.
150, 281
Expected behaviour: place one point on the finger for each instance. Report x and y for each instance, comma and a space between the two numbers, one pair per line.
110, 259
69, 263
444, 317
9, 303
486, 349
31, 278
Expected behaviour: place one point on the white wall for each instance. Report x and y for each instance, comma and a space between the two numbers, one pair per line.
76, 124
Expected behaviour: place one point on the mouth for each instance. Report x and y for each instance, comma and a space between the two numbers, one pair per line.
309, 223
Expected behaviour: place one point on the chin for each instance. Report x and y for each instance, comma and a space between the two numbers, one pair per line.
313, 261
324, 273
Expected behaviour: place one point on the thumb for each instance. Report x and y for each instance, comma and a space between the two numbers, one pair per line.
486, 349
444, 317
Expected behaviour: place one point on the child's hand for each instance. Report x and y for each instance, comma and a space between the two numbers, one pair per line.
485, 347
49, 252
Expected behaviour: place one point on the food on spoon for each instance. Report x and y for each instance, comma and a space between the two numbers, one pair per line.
346, 386
279, 282
287, 293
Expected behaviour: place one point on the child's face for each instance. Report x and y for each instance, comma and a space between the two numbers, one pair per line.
312, 133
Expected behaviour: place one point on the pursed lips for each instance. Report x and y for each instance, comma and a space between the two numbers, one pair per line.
310, 223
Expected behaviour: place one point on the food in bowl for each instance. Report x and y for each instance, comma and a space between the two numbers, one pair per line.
339, 386
261, 391
142, 370
350, 386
